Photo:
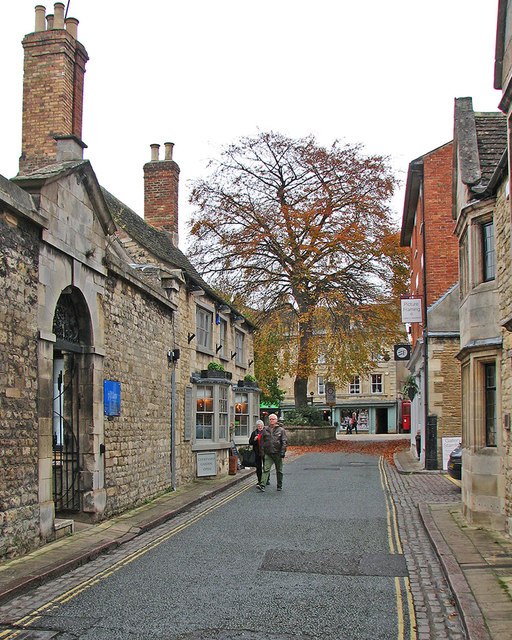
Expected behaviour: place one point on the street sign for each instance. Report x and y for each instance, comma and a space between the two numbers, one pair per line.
411, 310
402, 352
330, 393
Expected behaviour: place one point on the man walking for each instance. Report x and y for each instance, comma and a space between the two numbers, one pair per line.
273, 447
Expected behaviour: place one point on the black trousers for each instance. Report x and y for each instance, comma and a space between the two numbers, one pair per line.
259, 467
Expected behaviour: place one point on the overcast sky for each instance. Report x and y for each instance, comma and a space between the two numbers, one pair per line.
201, 74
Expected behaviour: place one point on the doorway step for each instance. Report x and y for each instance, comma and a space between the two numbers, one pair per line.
63, 528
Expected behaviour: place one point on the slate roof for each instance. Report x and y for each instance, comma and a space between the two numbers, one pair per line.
491, 133
157, 242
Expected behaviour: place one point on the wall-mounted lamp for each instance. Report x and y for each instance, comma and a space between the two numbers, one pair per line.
218, 347
224, 308
238, 319
233, 354
190, 337
173, 355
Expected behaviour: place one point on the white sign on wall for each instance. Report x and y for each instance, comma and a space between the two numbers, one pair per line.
411, 310
206, 463
449, 444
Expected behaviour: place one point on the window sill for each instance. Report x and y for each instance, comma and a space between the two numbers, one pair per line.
210, 446
205, 350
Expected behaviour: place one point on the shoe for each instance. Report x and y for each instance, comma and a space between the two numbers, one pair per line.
260, 487
279, 488
268, 483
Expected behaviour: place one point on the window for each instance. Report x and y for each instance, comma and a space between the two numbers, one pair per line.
204, 323
321, 386
490, 404
464, 265
223, 413
355, 385
377, 383
488, 252
212, 412
241, 414
239, 348
223, 333
204, 412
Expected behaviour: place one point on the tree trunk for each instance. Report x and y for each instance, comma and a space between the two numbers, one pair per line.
300, 386
300, 390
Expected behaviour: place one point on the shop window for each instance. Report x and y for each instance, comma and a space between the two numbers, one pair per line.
223, 413
212, 412
241, 414
490, 404
355, 385
377, 383
204, 324
204, 412
321, 386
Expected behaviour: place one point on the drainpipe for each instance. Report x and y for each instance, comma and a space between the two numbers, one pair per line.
430, 421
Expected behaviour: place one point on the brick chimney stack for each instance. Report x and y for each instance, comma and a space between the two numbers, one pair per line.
53, 84
161, 179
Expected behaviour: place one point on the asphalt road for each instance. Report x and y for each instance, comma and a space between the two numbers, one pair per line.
319, 560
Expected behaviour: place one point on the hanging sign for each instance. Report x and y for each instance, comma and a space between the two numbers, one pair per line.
330, 393
411, 310
402, 352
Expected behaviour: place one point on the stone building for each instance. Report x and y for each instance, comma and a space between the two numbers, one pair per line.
502, 222
480, 204
428, 231
107, 330
374, 396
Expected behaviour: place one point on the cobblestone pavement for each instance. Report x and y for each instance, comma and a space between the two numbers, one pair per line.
436, 613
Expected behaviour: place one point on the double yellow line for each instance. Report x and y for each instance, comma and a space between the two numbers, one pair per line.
395, 546
28, 620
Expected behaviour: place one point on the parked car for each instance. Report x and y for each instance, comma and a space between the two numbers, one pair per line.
455, 463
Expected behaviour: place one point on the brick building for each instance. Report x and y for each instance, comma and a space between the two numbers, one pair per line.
106, 327
428, 231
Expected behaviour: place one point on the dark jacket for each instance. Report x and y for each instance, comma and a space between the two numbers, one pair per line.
256, 443
274, 440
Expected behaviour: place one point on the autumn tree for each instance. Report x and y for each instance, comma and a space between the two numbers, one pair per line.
304, 232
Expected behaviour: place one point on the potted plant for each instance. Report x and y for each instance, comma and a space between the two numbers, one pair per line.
248, 381
215, 370
411, 387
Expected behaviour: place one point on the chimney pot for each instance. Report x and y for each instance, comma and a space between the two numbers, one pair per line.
49, 21
169, 146
40, 18
72, 27
58, 10
155, 150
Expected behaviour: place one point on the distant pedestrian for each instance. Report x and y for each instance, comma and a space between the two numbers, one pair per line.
353, 422
273, 446
255, 442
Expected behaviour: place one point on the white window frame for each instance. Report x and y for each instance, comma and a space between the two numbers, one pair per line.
377, 383
223, 336
321, 385
219, 412
204, 328
244, 417
240, 348
354, 387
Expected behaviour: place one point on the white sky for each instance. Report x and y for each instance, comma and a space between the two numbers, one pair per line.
201, 73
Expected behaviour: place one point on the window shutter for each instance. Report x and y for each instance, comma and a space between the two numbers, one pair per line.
188, 413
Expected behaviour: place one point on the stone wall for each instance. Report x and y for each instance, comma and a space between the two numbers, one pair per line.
19, 509
445, 389
138, 331
502, 230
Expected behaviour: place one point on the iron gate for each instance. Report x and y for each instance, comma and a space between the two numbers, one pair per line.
66, 470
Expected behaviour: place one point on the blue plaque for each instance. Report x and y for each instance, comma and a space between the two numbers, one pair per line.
111, 398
